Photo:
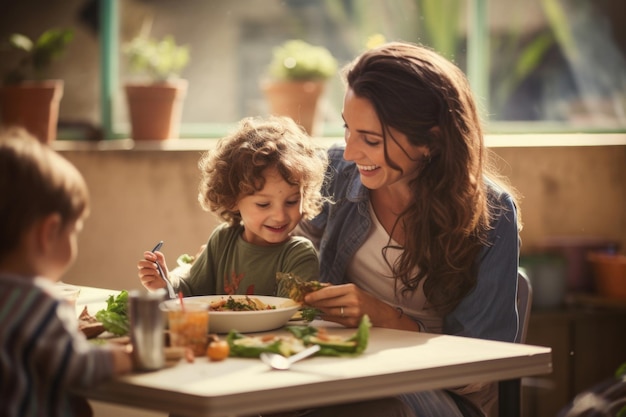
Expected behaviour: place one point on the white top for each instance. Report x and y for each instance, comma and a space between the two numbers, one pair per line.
371, 272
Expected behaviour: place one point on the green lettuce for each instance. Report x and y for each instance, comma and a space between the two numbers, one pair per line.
115, 317
353, 345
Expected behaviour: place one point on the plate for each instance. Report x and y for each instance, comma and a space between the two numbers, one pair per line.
249, 321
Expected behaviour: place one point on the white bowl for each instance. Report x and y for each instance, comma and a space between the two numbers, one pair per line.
249, 321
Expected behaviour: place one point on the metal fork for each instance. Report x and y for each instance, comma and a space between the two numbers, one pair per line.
170, 289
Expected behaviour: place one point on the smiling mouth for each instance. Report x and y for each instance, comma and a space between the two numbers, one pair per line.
277, 228
367, 167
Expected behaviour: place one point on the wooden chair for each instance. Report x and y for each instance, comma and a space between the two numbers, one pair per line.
509, 391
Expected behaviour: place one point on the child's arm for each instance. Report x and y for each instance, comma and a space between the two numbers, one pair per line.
122, 360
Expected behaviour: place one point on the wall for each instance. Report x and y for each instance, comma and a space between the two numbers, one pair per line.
142, 196
138, 198
577, 191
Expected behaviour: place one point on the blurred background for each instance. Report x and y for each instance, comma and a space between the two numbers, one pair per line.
536, 65
549, 76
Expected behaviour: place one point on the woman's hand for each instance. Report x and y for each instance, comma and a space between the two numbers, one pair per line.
148, 273
344, 304
347, 304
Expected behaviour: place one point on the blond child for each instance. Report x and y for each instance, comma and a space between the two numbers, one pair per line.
261, 180
43, 355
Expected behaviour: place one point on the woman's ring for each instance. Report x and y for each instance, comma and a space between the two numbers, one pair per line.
341, 311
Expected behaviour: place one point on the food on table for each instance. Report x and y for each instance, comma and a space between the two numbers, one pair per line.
218, 350
176, 353
309, 313
189, 327
306, 314
243, 303
89, 325
115, 317
297, 287
253, 346
185, 258
299, 338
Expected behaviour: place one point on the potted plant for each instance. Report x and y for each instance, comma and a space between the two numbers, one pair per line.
155, 98
297, 76
27, 98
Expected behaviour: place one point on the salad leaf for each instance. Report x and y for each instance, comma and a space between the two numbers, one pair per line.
309, 313
331, 345
115, 318
362, 335
335, 346
185, 258
248, 351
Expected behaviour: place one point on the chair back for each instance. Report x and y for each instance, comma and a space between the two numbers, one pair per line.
510, 391
524, 303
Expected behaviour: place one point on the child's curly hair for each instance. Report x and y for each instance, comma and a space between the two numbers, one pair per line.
235, 167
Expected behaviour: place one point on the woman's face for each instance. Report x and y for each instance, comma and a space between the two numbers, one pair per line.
365, 146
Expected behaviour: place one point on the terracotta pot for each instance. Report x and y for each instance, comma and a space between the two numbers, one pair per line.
33, 105
609, 272
295, 99
155, 109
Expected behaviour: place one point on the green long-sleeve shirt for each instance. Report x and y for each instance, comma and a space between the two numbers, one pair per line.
230, 265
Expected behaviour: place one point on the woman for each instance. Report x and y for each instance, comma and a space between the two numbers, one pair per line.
421, 235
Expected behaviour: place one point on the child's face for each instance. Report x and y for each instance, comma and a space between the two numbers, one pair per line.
269, 215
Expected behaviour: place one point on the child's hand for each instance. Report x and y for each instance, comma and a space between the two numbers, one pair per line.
148, 273
122, 358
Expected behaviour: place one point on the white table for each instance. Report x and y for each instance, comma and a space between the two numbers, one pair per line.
394, 362
94, 298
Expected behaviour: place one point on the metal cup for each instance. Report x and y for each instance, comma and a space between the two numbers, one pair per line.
147, 329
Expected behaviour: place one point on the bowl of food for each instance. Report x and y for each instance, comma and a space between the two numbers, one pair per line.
609, 273
247, 313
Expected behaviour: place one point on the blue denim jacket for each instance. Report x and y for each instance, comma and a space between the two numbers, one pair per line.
488, 312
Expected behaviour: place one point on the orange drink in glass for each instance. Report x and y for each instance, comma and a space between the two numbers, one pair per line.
189, 325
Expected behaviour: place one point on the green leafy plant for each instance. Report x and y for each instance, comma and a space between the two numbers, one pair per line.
299, 60
37, 55
156, 60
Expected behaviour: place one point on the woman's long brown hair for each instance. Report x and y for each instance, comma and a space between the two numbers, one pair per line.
426, 97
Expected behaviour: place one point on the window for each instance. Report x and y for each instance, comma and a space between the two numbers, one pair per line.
535, 65
557, 65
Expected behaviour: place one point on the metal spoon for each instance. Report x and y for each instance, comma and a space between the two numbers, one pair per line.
280, 362
170, 289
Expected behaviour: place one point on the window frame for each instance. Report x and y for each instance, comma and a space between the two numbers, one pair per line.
477, 73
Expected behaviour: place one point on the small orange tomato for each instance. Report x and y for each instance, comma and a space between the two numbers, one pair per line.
218, 350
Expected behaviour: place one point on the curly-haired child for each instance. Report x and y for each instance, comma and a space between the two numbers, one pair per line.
261, 180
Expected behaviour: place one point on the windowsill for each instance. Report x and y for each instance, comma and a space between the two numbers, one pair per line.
492, 141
